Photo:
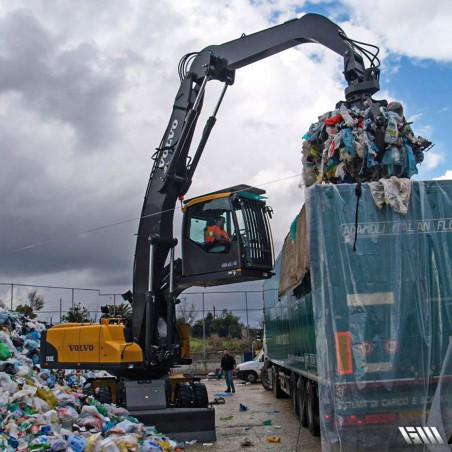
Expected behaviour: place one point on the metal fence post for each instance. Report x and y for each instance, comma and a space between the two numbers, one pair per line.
203, 329
72, 297
12, 295
247, 322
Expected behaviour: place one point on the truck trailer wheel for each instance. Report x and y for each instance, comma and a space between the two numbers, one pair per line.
88, 390
277, 391
104, 395
313, 410
200, 396
294, 393
265, 379
302, 402
184, 395
251, 377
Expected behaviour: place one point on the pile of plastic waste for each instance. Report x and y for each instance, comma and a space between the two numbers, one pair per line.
350, 145
44, 410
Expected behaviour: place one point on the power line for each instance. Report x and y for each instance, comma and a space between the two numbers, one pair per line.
119, 223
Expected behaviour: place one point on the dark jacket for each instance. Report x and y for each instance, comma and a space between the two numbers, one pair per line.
227, 362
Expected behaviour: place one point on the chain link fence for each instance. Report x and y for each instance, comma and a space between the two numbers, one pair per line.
57, 300
194, 306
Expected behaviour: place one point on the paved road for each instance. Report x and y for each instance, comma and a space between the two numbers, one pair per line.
249, 425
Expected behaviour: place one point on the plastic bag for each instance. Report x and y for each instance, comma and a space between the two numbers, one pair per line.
23, 393
51, 417
93, 443
7, 341
64, 398
120, 411
129, 441
151, 446
90, 422
31, 345
67, 413
92, 411
7, 384
126, 427
34, 335
77, 443
40, 405
4, 319
59, 446
48, 396
5, 352
109, 445
8, 366
23, 371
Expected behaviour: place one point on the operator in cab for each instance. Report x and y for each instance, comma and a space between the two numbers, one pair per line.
216, 234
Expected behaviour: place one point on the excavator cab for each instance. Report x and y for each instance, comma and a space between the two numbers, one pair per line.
226, 237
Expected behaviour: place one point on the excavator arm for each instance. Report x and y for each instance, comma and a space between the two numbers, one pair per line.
173, 169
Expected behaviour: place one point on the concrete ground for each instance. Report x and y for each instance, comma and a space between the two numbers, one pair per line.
235, 428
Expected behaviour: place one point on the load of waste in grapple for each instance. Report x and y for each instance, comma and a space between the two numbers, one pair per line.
350, 145
42, 409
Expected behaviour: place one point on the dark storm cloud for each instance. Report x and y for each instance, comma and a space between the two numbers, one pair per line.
108, 254
42, 218
59, 107
74, 85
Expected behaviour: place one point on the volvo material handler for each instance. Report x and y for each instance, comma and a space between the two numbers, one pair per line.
141, 355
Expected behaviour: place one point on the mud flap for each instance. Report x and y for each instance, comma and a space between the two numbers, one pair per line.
181, 424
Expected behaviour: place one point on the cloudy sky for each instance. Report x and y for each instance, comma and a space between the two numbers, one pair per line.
86, 91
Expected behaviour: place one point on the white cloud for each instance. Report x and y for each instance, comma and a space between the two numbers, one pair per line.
446, 176
433, 160
414, 28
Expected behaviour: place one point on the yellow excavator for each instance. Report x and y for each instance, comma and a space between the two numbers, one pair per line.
143, 353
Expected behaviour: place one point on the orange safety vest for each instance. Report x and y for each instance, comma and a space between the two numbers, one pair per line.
214, 231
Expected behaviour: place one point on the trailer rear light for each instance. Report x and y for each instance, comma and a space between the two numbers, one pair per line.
380, 418
351, 420
369, 419
344, 353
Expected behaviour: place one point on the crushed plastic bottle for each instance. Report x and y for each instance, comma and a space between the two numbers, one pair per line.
273, 439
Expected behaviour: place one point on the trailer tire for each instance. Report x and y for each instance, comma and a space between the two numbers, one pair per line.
313, 409
302, 402
88, 390
294, 393
251, 377
265, 379
104, 395
200, 396
184, 395
277, 391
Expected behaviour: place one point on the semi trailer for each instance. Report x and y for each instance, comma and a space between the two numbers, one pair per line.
358, 317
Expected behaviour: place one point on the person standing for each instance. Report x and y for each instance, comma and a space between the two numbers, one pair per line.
228, 367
